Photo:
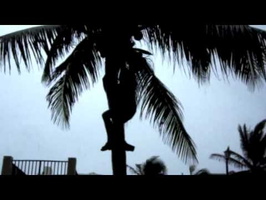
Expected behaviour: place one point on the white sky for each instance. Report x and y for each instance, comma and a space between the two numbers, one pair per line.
212, 113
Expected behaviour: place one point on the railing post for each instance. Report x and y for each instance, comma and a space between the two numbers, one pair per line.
7, 165
71, 169
40, 166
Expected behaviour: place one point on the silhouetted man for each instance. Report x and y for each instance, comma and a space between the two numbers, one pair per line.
120, 88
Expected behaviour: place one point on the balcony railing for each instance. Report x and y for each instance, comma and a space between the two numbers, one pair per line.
38, 167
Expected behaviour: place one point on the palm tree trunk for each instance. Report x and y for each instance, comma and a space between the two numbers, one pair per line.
119, 162
118, 151
227, 156
118, 136
226, 166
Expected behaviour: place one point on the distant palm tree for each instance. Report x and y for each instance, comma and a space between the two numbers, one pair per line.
151, 167
240, 50
253, 145
92, 173
193, 171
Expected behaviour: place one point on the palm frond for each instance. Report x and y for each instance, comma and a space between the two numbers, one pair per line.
139, 169
257, 144
192, 168
60, 46
134, 171
202, 172
154, 166
238, 160
63, 43
253, 143
161, 106
75, 74
244, 139
240, 49
20, 44
260, 126
232, 161
218, 157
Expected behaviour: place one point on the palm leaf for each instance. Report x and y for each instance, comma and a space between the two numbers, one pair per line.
257, 144
22, 43
243, 162
232, 161
239, 49
244, 139
134, 171
154, 166
253, 143
192, 168
260, 126
139, 169
160, 105
75, 74
202, 172
218, 157
152, 159
63, 43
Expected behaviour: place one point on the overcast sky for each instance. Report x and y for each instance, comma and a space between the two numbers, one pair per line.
212, 113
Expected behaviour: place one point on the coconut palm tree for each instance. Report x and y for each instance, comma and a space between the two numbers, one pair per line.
239, 49
151, 167
253, 145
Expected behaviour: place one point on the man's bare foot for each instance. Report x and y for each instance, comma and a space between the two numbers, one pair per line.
129, 147
106, 147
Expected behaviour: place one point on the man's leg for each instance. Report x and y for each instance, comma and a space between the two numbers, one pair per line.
114, 127
121, 130
109, 130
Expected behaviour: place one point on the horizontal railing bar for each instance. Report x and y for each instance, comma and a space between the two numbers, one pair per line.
41, 160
